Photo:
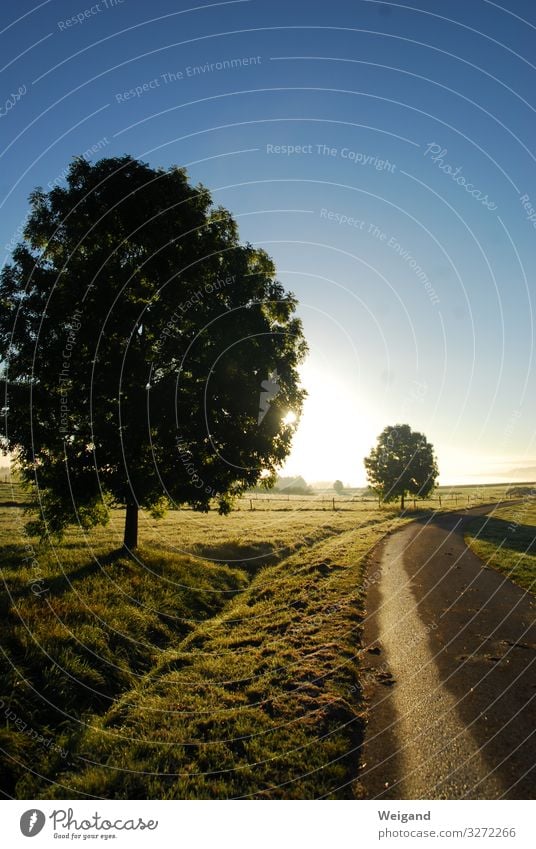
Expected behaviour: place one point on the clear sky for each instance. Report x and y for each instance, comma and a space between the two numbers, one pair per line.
382, 153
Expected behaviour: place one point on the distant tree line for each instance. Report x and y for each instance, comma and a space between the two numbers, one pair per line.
520, 491
287, 485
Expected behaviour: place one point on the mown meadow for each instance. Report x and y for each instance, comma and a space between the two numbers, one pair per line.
506, 541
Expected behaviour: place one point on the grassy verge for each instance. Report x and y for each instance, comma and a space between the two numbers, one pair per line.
82, 624
262, 700
506, 541
77, 634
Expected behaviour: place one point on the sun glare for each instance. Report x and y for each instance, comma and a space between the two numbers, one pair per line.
289, 418
334, 432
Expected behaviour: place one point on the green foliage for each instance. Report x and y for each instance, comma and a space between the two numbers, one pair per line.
402, 463
137, 333
46, 507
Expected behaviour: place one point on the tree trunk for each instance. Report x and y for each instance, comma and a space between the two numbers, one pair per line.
402, 501
130, 540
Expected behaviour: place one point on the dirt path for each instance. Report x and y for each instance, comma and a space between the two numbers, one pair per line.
450, 671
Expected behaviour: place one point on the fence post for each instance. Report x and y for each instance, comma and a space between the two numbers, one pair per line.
250, 504
334, 504
440, 501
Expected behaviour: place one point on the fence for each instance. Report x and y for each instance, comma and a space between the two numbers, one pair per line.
262, 502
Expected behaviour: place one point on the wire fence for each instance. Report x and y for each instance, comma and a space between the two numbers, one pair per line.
315, 501
12, 495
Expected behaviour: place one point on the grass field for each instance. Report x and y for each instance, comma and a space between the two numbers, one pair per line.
506, 540
224, 663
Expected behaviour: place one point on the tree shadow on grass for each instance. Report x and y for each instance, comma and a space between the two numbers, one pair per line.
14, 503
59, 584
505, 533
250, 557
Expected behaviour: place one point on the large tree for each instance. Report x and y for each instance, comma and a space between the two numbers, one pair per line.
402, 463
138, 336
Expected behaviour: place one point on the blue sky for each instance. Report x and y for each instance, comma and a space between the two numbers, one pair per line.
334, 132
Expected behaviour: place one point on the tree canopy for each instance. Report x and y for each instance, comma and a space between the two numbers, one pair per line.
402, 463
137, 333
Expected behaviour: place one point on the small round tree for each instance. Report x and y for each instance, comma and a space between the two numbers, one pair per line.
138, 338
338, 486
402, 463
